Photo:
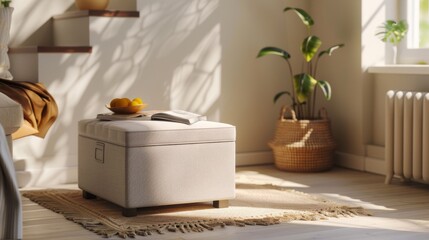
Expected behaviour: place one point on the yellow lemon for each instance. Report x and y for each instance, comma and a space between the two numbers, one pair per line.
139, 100
135, 103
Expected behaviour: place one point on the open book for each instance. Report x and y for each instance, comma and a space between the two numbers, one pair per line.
179, 116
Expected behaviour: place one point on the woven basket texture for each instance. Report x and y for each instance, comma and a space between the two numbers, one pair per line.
303, 145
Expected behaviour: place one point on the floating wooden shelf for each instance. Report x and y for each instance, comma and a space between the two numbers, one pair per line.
74, 14
51, 49
98, 13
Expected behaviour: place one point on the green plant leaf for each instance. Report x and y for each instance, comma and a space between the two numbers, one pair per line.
6, 3
393, 32
330, 50
278, 95
305, 17
273, 51
326, 89
310, 46
304, 86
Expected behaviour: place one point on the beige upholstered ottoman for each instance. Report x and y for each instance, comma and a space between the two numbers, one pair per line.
150, 163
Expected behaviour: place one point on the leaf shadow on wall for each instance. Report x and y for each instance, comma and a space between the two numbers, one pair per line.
170, 57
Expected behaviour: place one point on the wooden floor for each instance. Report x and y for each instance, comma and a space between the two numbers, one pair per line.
400, 211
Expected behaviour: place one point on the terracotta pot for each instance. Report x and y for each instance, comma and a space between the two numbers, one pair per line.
92, 4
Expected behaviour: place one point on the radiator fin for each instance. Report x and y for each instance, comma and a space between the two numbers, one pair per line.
407, 135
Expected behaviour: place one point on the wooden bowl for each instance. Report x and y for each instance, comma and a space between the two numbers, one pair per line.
126, 110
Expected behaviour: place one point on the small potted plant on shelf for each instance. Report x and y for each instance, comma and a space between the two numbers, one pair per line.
6, 3
303, 143
393, 32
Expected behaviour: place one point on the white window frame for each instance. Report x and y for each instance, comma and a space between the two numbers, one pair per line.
407, 54
413, 19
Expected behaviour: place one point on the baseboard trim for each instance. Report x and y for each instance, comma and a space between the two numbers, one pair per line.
375, 165
351, 161
46, 177
374, 160
342, 159
361, 163
57, 176
66, 175
254, 158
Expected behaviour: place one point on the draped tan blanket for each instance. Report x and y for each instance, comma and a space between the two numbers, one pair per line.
39, 107
254, 205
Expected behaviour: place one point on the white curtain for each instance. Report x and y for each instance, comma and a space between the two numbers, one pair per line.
10, 201
5, 21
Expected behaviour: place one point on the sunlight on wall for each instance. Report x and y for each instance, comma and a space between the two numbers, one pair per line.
182, 41
170, 57
373, 15
34, 14
196, 83
68, 89
195, 14
194, 55
121, 63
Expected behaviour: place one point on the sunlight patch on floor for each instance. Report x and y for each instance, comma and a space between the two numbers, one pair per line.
258, 178
355, 202
373, 222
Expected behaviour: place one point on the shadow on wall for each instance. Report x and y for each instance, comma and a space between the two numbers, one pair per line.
32, 21
170, 56
34, 25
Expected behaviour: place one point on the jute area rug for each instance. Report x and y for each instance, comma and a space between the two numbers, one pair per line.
255, 204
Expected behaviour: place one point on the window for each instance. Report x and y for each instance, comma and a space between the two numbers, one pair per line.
415, 47
419, 23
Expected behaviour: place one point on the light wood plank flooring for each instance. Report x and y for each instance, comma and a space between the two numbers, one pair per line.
400, 211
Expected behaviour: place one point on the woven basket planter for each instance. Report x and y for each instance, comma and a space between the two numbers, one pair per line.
303, 145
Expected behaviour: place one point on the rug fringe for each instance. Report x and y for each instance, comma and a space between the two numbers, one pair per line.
107, 231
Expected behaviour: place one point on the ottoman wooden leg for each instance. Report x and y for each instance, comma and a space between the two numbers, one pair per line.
88, 195
221, 204
129, 212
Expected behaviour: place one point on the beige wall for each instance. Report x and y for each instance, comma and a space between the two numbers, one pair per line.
200, 56
31, 20
189, 54
32, 24
339, 21
380, 83
357, 105
384, 83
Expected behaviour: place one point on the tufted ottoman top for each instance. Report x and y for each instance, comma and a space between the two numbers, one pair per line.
152, 133
10, 114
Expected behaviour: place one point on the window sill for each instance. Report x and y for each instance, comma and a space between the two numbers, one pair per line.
400, 69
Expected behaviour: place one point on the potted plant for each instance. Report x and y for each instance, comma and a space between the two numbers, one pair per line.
5, 23
303, 143
393, 32
6, 3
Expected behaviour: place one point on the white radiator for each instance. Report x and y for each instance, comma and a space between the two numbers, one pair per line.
407, 136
